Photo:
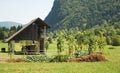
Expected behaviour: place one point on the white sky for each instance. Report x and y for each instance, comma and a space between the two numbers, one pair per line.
23, 11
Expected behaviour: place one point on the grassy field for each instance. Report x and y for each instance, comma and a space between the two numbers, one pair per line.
111, 66
5, 45
83, 67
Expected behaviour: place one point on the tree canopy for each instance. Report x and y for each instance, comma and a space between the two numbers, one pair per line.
84, 14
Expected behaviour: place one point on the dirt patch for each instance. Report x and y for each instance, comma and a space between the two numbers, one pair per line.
16, 60
88, 58
3, 60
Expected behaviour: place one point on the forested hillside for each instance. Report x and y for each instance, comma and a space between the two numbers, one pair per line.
84, 14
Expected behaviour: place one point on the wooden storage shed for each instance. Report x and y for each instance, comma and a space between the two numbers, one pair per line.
34, 30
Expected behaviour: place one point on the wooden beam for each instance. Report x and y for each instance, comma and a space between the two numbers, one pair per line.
44, 39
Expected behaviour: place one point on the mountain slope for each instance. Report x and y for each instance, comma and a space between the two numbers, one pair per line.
8, 24
83, 14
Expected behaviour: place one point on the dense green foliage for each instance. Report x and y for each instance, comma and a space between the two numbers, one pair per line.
91, 16
37, 59
116, 40
84, 14
59, 58
6, 32
42, 58
77, 43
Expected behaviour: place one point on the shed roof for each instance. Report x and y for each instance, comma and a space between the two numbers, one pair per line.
26, 30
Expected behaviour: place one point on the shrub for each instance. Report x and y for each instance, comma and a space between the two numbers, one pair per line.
108, 40
37, 59
116, 40
111, 48
79, 54
60, 58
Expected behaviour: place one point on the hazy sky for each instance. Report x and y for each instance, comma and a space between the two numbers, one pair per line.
23, 11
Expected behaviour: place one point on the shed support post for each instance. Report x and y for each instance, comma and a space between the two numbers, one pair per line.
44, 39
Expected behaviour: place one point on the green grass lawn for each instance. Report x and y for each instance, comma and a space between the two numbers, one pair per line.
82, 67
5, 45
110, 66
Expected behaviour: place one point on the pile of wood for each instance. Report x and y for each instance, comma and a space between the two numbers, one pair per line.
15, 60
88, 58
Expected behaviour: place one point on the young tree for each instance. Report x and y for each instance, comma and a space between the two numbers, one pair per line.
71, 42
92, 45
19, 27
101, 42
60, 42
46, 45
81, 40
50, 39
1, 35
12, 30
11, 49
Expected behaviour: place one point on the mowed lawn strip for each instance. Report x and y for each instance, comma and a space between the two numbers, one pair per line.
82, 67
